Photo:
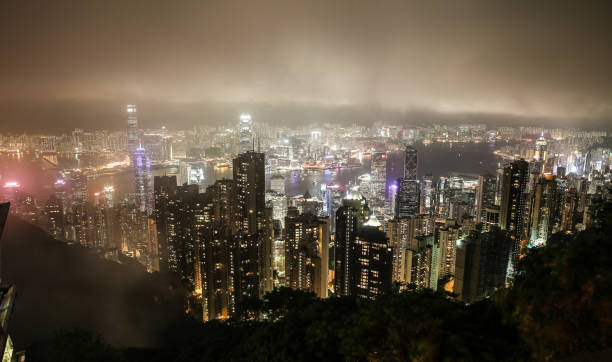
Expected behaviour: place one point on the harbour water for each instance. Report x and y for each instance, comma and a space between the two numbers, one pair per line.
437, 159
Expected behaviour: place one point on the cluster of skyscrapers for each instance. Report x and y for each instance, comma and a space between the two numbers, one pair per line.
239, 237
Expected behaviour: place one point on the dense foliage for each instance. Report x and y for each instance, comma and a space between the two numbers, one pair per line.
559, 306
562, 299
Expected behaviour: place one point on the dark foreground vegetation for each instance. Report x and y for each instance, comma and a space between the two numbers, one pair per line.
559, 306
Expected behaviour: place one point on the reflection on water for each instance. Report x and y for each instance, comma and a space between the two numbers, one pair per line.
438, 159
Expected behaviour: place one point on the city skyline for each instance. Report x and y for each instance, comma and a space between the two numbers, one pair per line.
305, 180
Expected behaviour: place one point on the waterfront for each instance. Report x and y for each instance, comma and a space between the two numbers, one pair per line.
437, 159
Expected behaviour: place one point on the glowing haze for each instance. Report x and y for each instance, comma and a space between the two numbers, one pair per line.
191, 61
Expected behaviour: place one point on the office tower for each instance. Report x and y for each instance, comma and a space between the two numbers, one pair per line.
133, 139
79, 220
428, 195
568, 209
487, 186
371, 259
543, 210
142, 179
349, 218
54, 212
249, 174
277, 184
408, 196
482, 262
306, 252
411, 163
378, 182
541, 153
513, 202
245, 133
164, 190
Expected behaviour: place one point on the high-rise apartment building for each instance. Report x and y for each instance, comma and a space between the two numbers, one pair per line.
249, 174
481, 265
349, 218
307, 252
371, 259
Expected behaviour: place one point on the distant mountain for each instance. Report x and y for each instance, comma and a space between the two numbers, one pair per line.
61, 286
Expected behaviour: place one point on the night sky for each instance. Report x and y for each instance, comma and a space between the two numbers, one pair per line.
69, 64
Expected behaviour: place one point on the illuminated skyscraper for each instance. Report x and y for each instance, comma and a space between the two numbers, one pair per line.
371, 260
541, 152
487, 186
349, 218
408, 198
402, 234
245, 131
428, 195
513, 203
221, 250
164, 191
378, 182
543, 210
79, 221
411, 163
54, 212
142, 179
249, 173
307, 252
133, 139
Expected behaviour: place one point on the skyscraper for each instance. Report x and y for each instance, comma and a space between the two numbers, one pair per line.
220, 251
133, 139
543, 210
408, 195
164, 189
371, 260
142, 180
408, 198
513, 202
411, 163
245, 132
482, 262
54, 212
541, 152
277, 184
349, 218
307, 252
428, 195
249, 173
378, 181
487, 186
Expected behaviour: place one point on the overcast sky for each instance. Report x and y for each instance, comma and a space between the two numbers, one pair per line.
76, 63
